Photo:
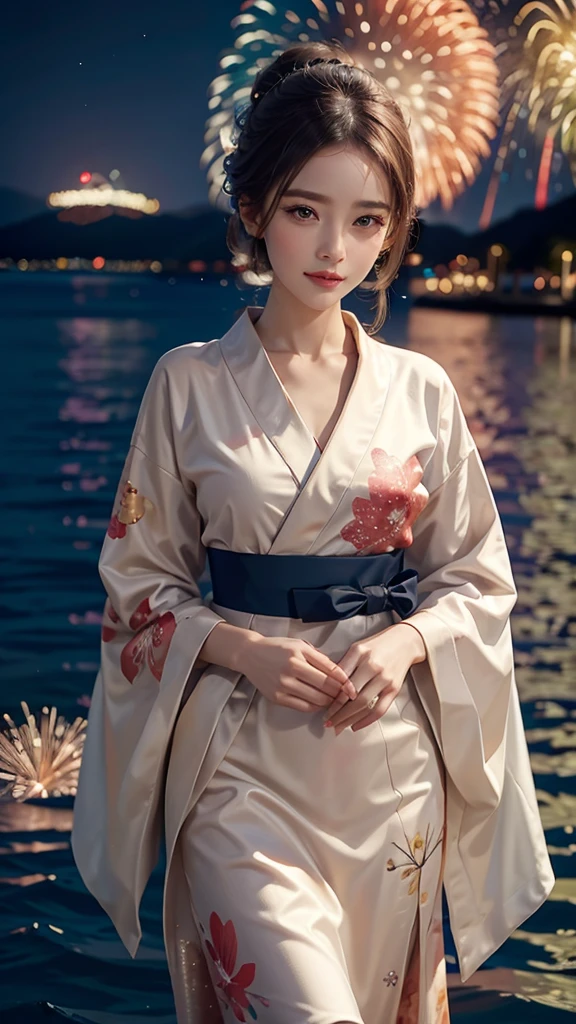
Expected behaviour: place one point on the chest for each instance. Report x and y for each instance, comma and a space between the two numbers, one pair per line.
317, 389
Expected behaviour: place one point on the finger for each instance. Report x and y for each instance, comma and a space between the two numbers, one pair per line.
378, 711
350, 661
308, 673
319, 698
357, 709
375, 713
360, 678
289, 700
335, 706
324, 663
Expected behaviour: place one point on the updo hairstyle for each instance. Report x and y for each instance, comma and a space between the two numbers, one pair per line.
312, 96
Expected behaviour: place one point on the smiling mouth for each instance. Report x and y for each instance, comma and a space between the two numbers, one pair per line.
326, 277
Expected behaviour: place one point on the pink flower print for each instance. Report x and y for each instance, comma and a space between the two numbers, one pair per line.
397, 498
150, 644
224, 949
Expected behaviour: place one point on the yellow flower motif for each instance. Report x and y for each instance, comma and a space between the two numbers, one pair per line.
417, 843
419, 851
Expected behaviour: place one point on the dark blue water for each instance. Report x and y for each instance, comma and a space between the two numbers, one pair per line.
77, 353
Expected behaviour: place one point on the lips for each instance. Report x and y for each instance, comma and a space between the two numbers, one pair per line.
327, 276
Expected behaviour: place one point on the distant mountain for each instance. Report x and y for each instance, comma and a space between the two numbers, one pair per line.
199, 232
17, 206
529, 235
165, 236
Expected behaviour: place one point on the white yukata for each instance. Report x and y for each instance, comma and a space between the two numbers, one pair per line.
304, 869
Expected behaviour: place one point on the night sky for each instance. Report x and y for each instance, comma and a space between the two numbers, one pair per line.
124, 85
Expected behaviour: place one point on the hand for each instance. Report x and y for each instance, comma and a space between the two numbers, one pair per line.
377, 666
293, 673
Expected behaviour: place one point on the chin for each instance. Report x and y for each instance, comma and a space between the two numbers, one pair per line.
315, 298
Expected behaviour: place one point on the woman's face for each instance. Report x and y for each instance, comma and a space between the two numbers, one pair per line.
332, 218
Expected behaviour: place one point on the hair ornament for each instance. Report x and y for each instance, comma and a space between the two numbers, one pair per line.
287, 74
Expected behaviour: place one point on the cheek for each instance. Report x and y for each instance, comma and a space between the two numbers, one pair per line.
285, 242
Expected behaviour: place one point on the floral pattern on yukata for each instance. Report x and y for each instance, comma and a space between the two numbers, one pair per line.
397, 497
419, 850
223, 949
437, 1000
132, 507
439, 994
149, 646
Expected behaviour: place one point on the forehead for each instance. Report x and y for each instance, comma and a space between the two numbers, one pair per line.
343, 172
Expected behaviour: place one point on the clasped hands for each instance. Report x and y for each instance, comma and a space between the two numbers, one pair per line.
291, 672
377, 667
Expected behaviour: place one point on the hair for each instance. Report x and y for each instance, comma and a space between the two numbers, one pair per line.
312, 96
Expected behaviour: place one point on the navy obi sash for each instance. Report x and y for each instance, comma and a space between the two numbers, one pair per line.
314, 588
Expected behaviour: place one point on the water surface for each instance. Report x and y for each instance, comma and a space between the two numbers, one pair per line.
78, 353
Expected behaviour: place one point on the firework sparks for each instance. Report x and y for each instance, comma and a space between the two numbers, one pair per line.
433, 56
539, 82
41, 762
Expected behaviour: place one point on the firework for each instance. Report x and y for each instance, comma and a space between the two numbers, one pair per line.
41, 762
539, 85
433, 56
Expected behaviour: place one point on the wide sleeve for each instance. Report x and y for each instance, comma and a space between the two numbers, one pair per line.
154, 624
466, 593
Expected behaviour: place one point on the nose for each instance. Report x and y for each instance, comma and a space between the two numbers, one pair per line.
331, 245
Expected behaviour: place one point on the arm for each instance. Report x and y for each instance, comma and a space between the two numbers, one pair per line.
154, 626
466, 594
227, 645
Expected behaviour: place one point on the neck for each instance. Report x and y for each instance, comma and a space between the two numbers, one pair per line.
286, 325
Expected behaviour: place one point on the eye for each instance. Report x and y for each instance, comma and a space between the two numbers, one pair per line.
298, 209
368, 216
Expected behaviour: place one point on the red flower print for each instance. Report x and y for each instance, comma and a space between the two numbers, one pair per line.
396, 500
140, 617
224, 949
107, 632
116, 530
132, 507
150, 644
112, 613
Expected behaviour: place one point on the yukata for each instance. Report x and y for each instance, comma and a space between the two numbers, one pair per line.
304, 870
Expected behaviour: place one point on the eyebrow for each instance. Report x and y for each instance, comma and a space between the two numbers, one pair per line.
363, 204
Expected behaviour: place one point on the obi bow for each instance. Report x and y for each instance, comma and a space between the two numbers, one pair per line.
340, 601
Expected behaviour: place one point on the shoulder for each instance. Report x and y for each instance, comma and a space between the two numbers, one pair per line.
415, 365
428, 393
420, 379
188, 357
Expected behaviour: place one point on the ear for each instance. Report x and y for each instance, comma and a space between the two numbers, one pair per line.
248, 216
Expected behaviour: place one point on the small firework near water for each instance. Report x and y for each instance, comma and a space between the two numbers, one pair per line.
433, 56
41, 762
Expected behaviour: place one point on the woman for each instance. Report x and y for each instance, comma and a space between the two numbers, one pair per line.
336, 734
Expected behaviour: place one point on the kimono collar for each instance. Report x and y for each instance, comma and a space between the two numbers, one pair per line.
271, 406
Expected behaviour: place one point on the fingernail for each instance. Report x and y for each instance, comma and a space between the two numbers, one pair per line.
328, 723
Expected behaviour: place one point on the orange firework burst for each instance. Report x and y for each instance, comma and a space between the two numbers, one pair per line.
41, 762
433, 56
539, 80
